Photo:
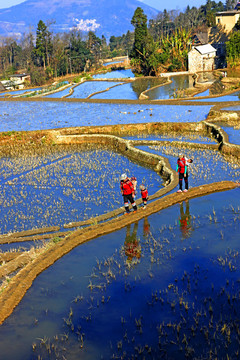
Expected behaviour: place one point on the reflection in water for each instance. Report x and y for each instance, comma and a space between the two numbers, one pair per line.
178, 83
146, 227
143, 84
131, 244
185, 220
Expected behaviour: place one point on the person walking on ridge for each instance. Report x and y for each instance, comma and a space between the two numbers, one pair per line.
188, 162
144, 194
127, 191
134, 182
182, 172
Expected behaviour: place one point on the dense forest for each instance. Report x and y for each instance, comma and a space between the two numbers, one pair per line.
160, 44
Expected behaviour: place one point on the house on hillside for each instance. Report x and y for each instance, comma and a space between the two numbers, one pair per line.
19, 80
201, 58
200, 38
228, 19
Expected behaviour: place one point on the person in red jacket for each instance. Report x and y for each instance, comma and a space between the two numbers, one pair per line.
127, 191
144, 194
182, 171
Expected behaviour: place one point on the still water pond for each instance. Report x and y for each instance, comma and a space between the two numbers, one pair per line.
169, 91
50, 114
167, 284
58, 188
130, 91
116, 74
19, 92
230, 97
233, 134
87, 88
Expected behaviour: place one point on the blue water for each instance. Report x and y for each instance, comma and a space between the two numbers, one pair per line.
59, 94
124, 91
231, 97
165, 286
204, 93
19, 92
87, 88
42, 191
49, 115
159, 137
233, 134
116, 74
185, 257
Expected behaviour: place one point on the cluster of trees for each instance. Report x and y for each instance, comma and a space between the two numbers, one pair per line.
160, 45
150, 56
166, 42
233, 47
50, 55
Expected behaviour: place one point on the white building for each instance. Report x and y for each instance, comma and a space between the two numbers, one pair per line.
201, 58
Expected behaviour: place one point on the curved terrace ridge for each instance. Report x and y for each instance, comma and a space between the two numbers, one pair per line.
16, 289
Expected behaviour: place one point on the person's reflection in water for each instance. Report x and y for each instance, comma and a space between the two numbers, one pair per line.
132, 247
185, 220
146, 228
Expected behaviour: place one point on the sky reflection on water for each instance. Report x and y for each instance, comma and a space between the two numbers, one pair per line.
182, 264
49, 115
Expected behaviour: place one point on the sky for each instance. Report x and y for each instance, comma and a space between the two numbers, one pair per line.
157, 4
173, 4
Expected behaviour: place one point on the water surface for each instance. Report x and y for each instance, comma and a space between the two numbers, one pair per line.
52, 114
181, 273
89, 87
169, 91
55, 189
116, 74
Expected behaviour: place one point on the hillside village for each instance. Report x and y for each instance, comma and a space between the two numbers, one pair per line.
206, 50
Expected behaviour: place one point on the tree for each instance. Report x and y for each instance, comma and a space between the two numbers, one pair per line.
230, 4
233, 49
43, 49
94, 45
139, 21
77, 53
27, 46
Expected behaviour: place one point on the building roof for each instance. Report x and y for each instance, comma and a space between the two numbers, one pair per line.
205, 49
227, 13
200, 38
19, 75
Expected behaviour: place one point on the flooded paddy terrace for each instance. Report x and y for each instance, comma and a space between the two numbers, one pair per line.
167, 284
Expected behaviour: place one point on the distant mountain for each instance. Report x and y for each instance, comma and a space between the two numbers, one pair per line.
108, 17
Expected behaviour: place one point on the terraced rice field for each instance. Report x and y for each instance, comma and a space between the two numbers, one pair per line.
163, 286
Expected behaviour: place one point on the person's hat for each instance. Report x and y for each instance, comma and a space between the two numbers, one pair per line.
123, 177
142, 187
